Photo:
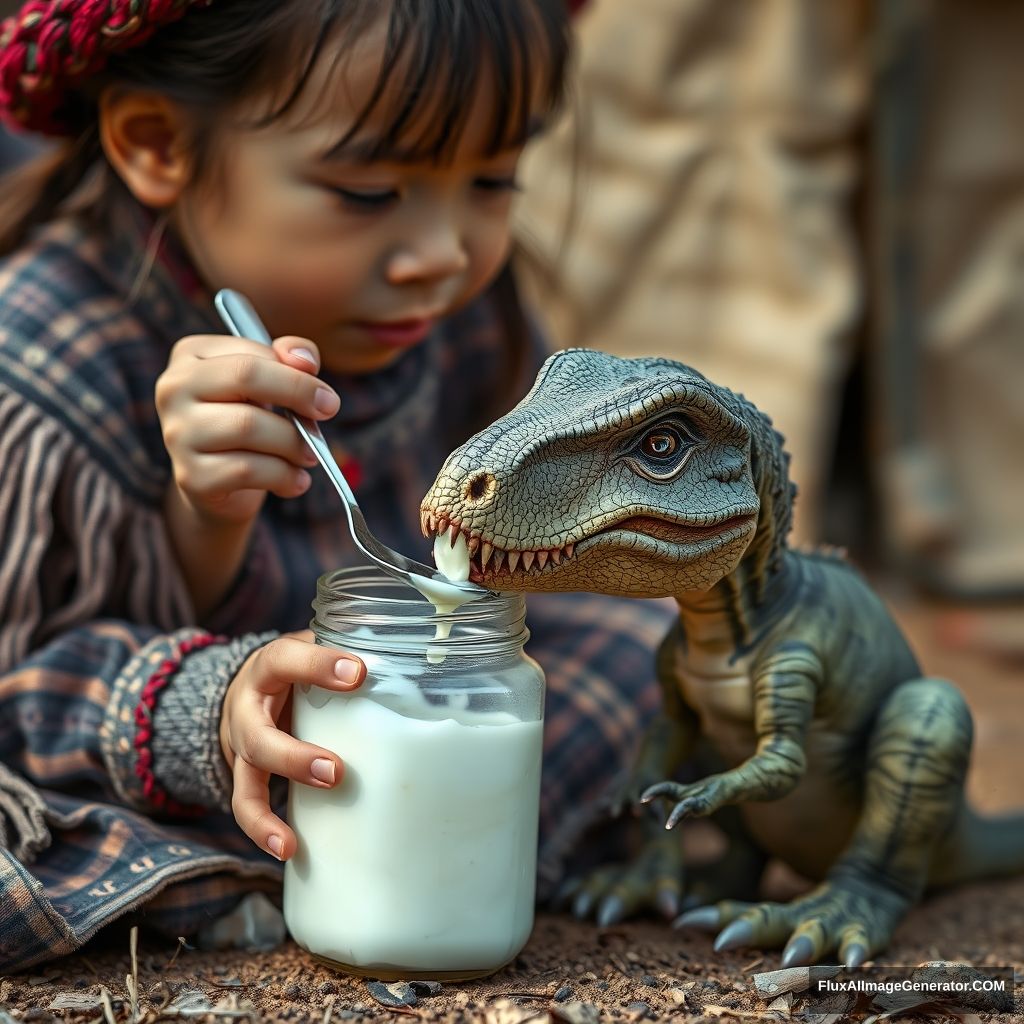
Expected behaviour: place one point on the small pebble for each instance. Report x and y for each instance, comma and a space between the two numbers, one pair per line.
649, 979
398, 994
603, 985
328, 988
293, 992
632, 957
563, 993
426, 988
642, 1008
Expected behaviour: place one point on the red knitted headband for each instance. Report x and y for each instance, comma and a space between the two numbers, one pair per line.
49, 45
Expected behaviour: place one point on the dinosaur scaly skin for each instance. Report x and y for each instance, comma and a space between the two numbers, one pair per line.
640, 477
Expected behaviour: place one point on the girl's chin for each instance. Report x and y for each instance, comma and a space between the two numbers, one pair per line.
355, 363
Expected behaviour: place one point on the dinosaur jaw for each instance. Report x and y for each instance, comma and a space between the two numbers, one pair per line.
580, 564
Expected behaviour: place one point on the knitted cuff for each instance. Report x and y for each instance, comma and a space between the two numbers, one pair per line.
184, 762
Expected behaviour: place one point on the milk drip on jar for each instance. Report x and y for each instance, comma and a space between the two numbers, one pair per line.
421, 862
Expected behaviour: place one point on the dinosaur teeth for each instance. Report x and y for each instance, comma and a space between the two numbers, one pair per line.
556, 556
499, 557
513, 560
432, 522
486, 550
453, 531
528, 557
542, 559
569, 548
473, 546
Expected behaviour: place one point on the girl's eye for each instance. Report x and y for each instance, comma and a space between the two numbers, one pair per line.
508, 184
366, 199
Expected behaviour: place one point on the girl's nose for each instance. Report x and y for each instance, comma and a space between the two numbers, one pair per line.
431, 257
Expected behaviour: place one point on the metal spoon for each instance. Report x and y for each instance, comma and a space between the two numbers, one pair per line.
236, 311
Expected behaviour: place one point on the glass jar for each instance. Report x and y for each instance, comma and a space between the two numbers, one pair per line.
421, 862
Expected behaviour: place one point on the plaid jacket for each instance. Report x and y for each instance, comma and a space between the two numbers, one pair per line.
115, 792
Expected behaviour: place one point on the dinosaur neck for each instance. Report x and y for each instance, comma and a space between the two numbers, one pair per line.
740, 605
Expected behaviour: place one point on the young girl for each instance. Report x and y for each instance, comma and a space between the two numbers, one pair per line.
349, 166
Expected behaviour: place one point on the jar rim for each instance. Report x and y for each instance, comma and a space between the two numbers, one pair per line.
364, 597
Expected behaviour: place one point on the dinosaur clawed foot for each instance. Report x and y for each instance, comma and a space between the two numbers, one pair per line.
657, 880
617, 891
855, 919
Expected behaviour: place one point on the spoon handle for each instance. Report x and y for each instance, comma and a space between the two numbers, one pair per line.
243, 321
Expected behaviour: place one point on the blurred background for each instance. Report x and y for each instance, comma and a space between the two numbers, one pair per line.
820, 205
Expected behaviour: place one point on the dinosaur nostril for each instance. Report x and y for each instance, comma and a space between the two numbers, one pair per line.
479, 487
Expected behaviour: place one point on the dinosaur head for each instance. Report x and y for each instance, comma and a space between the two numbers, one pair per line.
636, 477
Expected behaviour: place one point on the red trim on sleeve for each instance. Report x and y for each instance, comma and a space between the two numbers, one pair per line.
144, 721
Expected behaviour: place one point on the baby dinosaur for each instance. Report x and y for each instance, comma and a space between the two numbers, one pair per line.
640, 477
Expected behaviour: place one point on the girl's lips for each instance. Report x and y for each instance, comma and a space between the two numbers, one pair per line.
398, 333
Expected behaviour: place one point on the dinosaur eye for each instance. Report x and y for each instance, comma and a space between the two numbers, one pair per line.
660, 443
661, 452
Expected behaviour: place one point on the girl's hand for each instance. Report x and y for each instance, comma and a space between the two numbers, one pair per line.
227, 452
257, 710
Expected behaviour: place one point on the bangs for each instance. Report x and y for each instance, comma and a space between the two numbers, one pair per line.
439, 56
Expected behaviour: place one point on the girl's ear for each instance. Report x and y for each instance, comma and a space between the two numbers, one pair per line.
145, 137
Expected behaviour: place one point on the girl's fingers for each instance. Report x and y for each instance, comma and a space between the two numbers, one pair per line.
274, 668
268, 748
252, 377
250, 804
298, 352
239, 426
213, 479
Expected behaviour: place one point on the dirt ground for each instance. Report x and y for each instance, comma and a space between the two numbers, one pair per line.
572, 971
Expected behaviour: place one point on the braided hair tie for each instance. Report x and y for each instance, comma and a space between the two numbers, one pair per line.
49, 46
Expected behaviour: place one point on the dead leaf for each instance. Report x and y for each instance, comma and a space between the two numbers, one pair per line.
79, 1001
770, 984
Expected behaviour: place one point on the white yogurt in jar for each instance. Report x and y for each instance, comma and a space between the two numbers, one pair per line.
423, 857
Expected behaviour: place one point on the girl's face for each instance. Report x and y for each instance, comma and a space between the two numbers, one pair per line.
361, 258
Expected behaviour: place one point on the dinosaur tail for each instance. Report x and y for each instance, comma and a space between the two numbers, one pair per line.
980, 848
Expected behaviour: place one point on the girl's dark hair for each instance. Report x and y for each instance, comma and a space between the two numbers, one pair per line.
437, 55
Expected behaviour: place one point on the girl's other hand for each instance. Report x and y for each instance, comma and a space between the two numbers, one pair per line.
227, 448
253, 736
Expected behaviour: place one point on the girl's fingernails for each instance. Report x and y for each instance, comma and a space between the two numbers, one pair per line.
304, 353
276, 845
323, 769
347, 671
326, 401
302, 479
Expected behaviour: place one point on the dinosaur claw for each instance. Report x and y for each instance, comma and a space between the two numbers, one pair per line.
611, 911
855, 956
667, 902
732, 936
582, 904
799, 952
681, 810
704, 918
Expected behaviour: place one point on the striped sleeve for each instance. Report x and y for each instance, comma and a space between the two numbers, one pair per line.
74, 545
105, 688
